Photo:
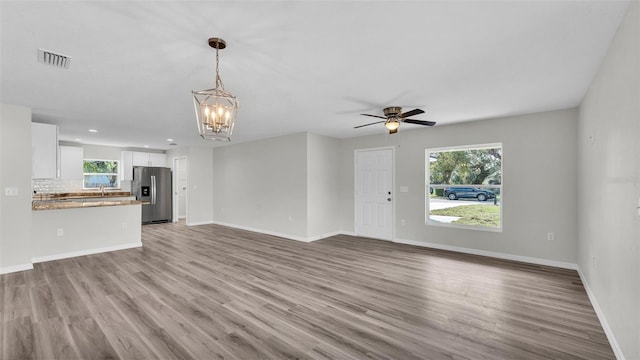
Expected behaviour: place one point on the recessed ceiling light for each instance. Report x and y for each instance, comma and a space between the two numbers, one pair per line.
169, 139
77, 139
93, 130
146, 146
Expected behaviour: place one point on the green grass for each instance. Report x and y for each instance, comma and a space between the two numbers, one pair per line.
478, 215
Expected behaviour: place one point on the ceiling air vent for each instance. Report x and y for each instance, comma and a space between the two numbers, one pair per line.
53, 59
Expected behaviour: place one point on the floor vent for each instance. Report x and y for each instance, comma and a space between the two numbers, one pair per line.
53, 59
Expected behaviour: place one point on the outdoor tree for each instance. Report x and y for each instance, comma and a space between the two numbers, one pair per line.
445, 164
101, 167
480, 166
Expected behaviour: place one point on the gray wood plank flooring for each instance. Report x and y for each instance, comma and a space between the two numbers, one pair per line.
208, 292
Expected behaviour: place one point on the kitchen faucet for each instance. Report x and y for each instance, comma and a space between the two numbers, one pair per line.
101, 190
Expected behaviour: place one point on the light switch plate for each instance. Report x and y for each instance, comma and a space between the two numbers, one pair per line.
404, 189
11, 191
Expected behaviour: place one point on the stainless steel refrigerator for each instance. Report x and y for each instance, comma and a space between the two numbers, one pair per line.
152, 186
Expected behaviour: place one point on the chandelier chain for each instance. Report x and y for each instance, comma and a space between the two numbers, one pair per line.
219, 83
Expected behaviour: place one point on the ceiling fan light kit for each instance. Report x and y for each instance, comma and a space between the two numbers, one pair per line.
392, 124
393, 116
216, 109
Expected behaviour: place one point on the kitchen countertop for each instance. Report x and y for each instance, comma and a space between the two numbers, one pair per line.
79, 195
57, 205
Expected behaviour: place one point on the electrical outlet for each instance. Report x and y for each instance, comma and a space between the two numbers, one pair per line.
403, 222
60, 232
551, 236
124, 226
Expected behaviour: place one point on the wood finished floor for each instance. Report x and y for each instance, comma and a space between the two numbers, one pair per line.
209, 292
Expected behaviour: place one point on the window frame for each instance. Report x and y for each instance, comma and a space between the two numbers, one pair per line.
428, 186
117, 174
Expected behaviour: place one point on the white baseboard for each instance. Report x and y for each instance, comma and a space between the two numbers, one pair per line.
85, 252
526, 259
603, 320
16, 268
196, 223
282, 235
326, 235
348, 233
267, 232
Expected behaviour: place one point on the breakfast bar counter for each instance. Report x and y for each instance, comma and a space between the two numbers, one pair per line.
57, 205
83, 224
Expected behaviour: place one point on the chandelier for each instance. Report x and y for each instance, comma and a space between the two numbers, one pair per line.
216, 108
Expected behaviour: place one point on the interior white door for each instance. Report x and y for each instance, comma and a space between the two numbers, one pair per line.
179, 188
182, 188
374, 197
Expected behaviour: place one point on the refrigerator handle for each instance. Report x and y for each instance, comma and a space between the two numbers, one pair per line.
153, 190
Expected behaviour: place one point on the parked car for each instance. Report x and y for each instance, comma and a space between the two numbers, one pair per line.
455, 193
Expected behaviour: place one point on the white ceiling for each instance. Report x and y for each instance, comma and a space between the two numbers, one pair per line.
296, 65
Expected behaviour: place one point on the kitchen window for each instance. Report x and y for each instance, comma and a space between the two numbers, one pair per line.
101, 174
464, 187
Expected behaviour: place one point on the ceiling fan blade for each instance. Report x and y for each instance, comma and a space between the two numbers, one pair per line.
377, 116
373, 123
393, 131
419, 122
411, 113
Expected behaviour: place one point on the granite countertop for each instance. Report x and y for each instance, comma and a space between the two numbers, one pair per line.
57, 205
79, 195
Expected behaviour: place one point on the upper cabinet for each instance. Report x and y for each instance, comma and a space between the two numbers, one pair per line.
126, 165
44, 151
137, 158
71, 162
140, 158
149, 159
159, 160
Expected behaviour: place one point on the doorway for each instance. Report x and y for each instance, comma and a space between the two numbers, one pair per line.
179, 188
374, 193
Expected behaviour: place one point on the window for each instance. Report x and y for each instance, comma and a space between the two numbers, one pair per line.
101, 172
464, 187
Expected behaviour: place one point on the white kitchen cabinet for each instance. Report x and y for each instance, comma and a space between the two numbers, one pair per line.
157, 159
126, 165
71, 163
44, 151
140, 158
149, 159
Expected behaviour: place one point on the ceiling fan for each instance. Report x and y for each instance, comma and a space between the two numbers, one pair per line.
393, 116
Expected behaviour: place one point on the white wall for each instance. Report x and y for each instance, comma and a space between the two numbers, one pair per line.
100, 152
199, 182
323, 186
609, 168
539, 184
262, 185
15, 172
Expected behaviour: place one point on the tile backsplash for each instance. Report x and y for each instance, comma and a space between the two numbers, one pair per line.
48, 186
